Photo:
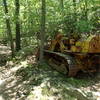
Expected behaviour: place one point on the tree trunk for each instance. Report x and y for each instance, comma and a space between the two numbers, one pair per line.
8, 27
75, 13
18, 47
86, 12
42, 34
74, 5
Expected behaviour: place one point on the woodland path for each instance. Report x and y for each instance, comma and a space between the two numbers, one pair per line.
11, 87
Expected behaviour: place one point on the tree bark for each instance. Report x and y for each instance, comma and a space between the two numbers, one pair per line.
8, 27
42, 34
75, 14
86, 12
74, 5
18, 42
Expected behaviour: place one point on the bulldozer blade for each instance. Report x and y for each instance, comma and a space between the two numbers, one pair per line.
62, 63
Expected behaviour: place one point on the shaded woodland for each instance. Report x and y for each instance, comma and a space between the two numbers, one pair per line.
29, 32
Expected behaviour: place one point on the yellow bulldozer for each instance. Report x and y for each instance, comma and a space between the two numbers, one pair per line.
69, 55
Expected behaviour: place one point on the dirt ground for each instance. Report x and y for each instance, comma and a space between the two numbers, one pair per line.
25, 80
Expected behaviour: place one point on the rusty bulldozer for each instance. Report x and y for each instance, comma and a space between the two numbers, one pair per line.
69, 55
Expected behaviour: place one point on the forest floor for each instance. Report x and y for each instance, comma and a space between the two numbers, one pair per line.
23, 79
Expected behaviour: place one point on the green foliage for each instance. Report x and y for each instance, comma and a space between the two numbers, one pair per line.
84, 26
84, 17
25, 52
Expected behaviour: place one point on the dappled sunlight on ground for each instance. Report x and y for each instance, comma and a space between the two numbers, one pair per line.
26, 80
1, 98
4, 50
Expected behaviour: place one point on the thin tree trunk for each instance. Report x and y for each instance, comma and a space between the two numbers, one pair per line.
42, 34
8, 27
18, 42
75, 13
86, 12
74, 5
